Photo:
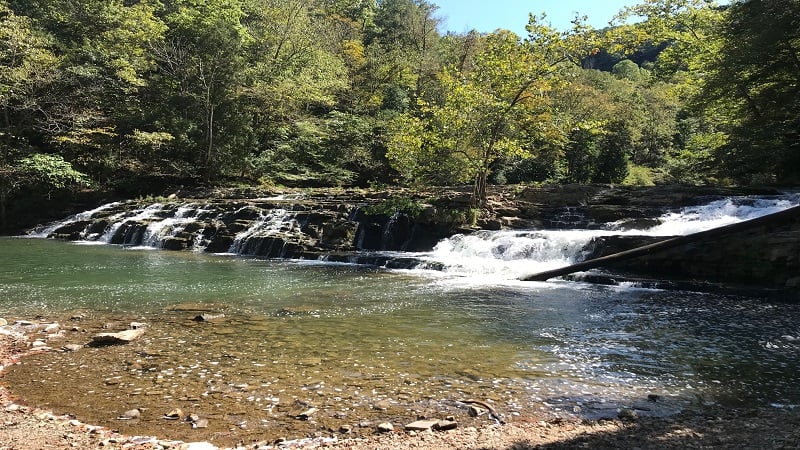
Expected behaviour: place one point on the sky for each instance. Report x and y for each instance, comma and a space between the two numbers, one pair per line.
489, 15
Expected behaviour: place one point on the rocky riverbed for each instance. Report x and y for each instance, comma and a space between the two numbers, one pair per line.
30, 427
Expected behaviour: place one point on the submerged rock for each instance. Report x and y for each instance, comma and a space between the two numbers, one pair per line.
208, 317
123, 337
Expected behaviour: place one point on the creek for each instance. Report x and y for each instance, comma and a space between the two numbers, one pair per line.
365, 344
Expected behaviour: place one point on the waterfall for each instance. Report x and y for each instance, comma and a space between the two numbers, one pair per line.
270, 223
509, 254
43, 232
264, 229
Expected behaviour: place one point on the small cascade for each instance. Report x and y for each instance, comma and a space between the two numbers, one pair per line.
397, 233
567, 218
259, 238
510, 254
82, 217
159, 232
718, 213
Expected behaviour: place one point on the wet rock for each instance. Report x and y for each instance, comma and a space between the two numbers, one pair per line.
421, 425
123, 337
385, 427
208, 317
653, 397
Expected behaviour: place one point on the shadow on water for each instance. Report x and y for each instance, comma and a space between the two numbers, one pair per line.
756, 429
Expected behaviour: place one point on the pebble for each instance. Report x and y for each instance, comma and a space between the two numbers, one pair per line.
198, 446
385, 427
474, 411
200, 423
628, 415
130, 414
444, 425
175, 414
305, 415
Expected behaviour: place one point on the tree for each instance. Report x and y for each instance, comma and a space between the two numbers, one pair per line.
26, 70
485, 112
40, 173
751, 91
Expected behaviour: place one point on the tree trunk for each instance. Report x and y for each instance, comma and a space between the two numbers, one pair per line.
3, 222
787, 215
479, 191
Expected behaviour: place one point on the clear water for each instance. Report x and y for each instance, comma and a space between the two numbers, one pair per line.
365, 345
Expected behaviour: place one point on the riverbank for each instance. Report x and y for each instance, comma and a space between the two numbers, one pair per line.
28, 427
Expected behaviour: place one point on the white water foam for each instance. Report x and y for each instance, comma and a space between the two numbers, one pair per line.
46, 231
271, 222
493, 256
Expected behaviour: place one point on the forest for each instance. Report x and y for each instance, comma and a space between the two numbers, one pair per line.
126, 94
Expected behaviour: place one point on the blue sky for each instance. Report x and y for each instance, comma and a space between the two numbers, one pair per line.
486, 16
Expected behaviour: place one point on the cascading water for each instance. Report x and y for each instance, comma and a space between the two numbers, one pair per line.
46, 231
270, 223
274, 230
509, 255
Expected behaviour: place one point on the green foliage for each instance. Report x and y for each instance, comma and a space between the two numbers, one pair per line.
457, 217
50, 172
751, 94
629, 70
354, 92
639, 176
394, 205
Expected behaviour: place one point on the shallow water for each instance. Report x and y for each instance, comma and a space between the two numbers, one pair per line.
365, 345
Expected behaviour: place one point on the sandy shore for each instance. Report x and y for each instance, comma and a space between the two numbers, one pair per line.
27, 427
